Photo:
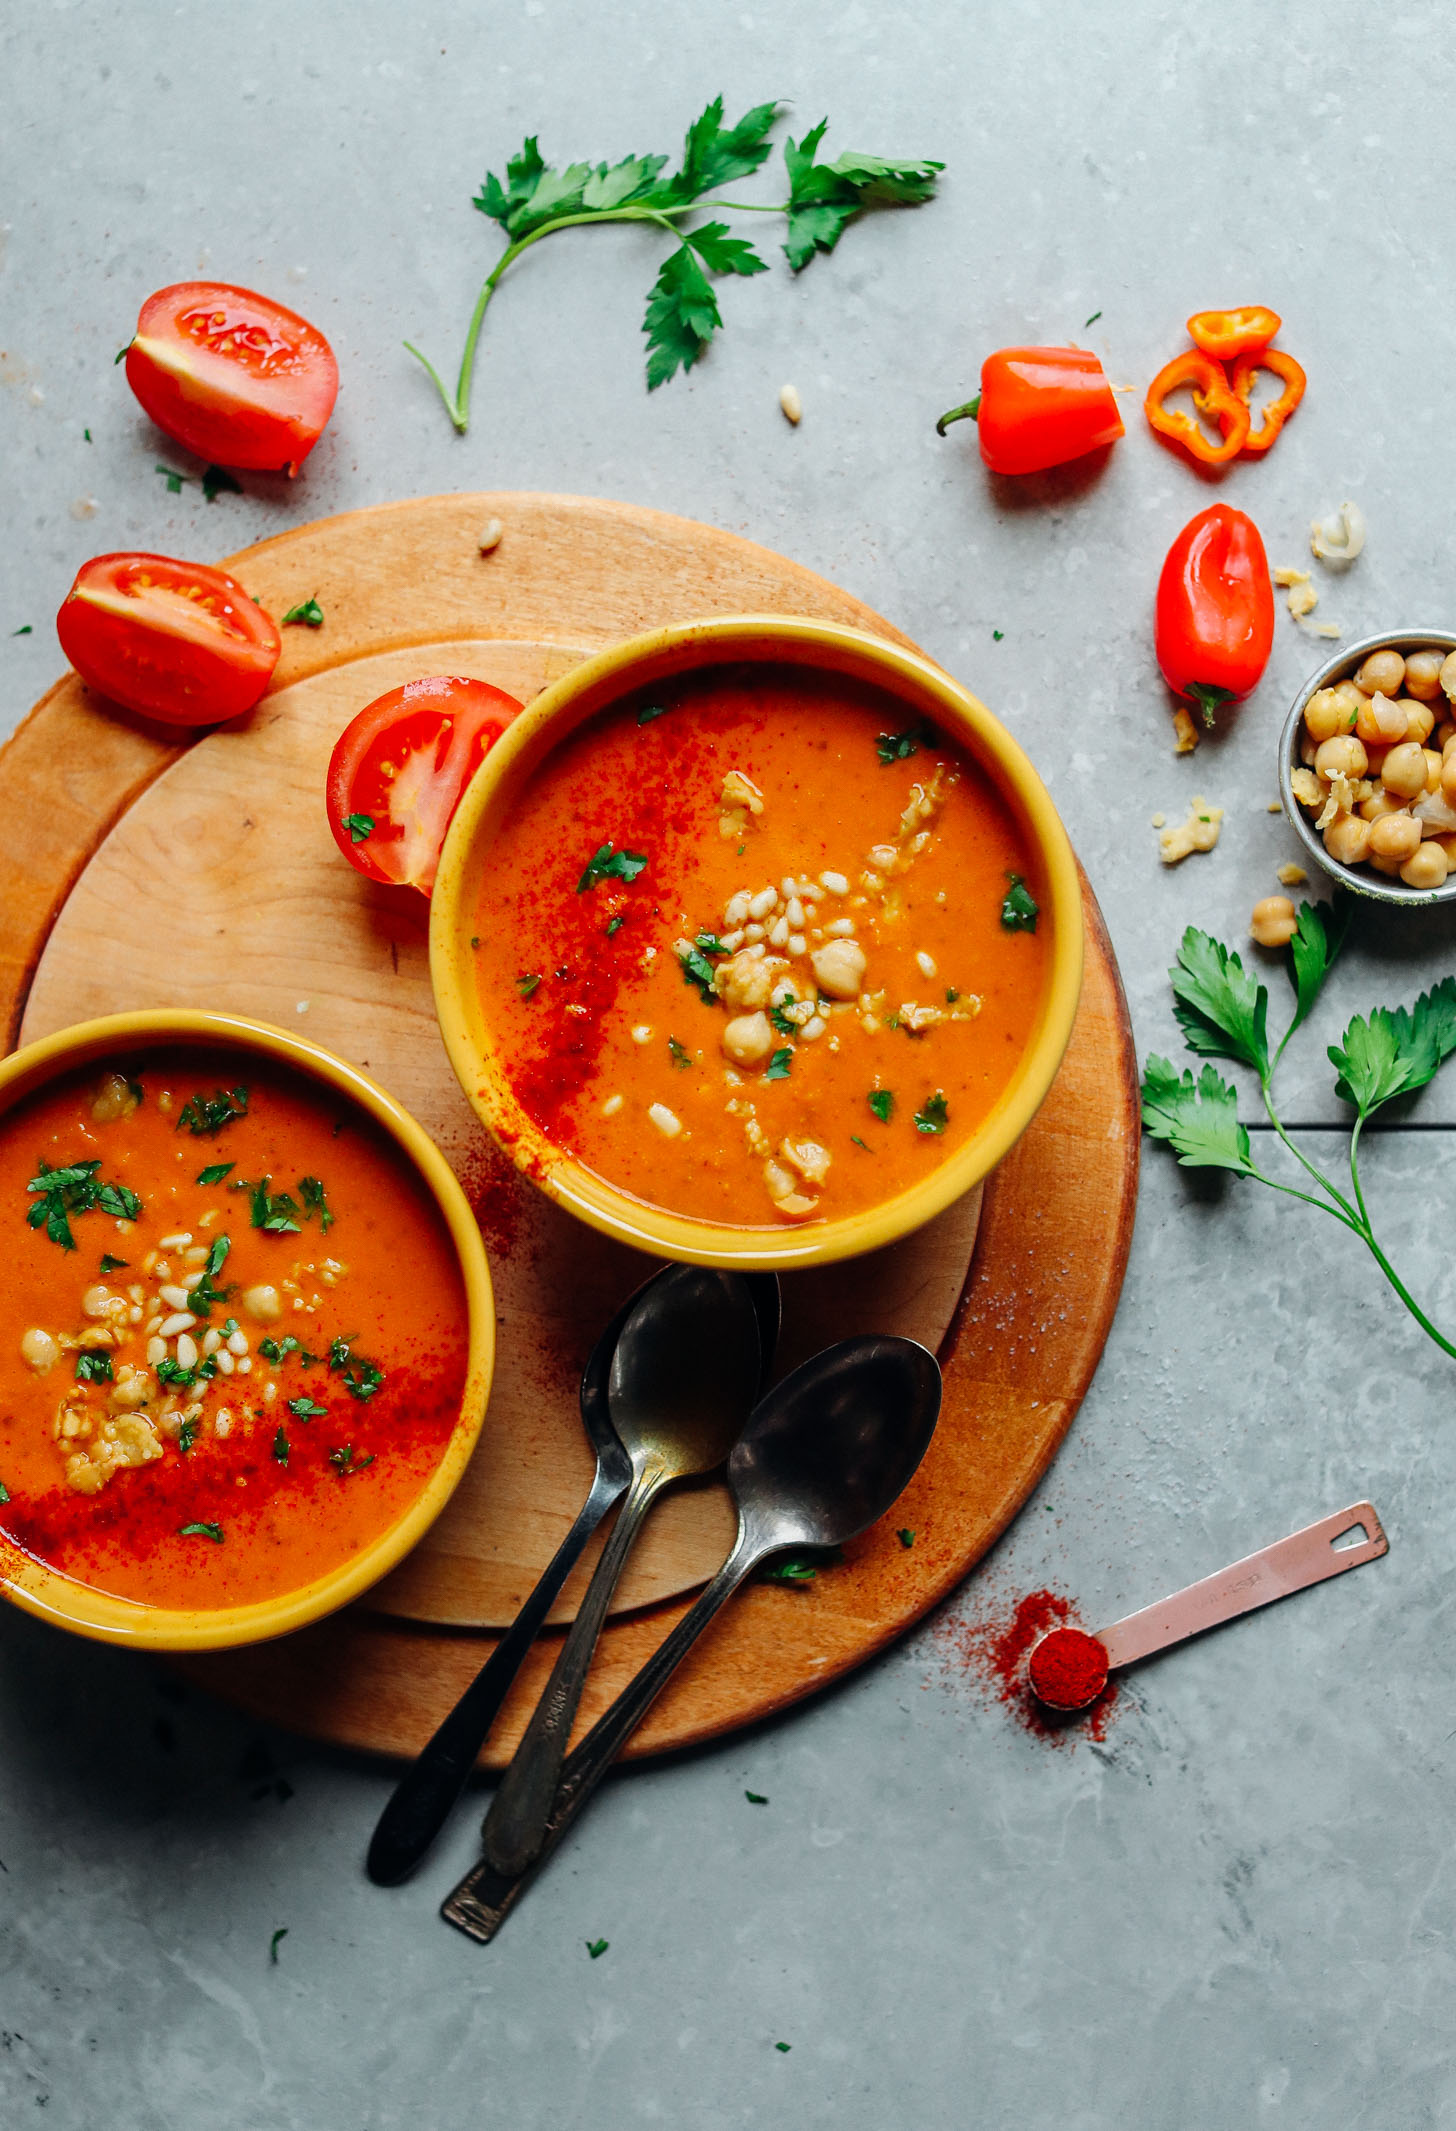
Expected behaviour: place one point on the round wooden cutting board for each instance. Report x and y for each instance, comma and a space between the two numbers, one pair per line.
146, 872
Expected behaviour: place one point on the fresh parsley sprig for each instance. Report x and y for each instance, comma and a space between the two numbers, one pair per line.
1223, 1011
535, 199
58, 1193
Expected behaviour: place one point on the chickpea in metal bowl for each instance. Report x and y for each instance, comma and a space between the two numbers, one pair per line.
1367, 767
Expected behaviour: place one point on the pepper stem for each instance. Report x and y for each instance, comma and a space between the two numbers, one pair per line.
970, 411
1208, 699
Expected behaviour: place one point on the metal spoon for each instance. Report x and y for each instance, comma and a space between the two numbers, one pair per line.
683, 1380
824, 1455
425, 1795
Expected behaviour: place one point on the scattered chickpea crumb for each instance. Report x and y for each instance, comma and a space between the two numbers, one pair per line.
1274, 806
612, 1105
1199, 832
1292, 876
1185, 732
791, 404
490, 536
1159, 820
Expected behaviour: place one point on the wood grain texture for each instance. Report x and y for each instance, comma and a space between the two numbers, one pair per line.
150, 875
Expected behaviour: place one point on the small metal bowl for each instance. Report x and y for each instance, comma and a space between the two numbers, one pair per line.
1360, 880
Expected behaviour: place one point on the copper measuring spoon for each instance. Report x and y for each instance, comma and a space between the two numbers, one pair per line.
1306, 1557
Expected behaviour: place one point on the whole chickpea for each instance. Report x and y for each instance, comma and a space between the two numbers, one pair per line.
1384, 670
1378, 805
1388, 866
1347, 839
1423, 675
1375, 755
1327, 714
1273, 921
1420, 720
1442, 736
1404, 770
1396, 836
1349, 693
1448, 674
1381, 721
1308, 749
1342, 757
1427, 867
1448, 778
1434, 767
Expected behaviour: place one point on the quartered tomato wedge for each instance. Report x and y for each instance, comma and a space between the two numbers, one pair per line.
397, 773
232, 375
173, 640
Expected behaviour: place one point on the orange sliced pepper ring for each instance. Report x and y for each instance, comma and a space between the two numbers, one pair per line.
1225, 334
1213, 395
1274, 416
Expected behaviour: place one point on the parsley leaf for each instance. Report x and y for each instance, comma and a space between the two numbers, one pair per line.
529, 983
778, 1065
1199, 1121
680, 1055
305, 1408
1019, 908
273, 1213
802, 1568
649, 711
25, 629
782, 1021
756, 1797
278, 1349
280, 1933
856, 1141
899, 747
201, 1531
935, 1115
682, 317
170, 1371
698, 970
205, 1114
215, 1172
607, 864
4, 1492
112, 1265
882, 1102
596, 1947
905, 1536
825, 197
1221, 1009
186, 1436
280, 1447
614, 926
1395, 1052
59, 1193
93, 1366
170, 474
216, 480
360, 827
1319, 934
345, 1462
308, 612
315, 1201
361, 1378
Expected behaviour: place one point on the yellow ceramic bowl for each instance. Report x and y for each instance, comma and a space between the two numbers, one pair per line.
69, 1604
642, 661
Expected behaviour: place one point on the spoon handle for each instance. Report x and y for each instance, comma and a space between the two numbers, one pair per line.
515, 1825
425, 1794
483, 1900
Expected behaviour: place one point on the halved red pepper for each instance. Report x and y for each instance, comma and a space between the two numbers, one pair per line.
1225, 334
1273, 417
1039, 407
1215, 616
1213, 396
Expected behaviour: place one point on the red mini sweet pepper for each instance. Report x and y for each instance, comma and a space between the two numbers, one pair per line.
1215, 619
1039, 407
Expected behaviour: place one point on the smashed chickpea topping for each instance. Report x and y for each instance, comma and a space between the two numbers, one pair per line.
1199, 832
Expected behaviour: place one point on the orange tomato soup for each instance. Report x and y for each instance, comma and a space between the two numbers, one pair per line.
250, 1357
757, 949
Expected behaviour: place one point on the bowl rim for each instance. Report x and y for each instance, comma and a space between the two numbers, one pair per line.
1375, 887
63, 1600
590, 687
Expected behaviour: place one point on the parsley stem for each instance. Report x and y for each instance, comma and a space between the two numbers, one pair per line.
457, 406
1378, 1254
1351, 1219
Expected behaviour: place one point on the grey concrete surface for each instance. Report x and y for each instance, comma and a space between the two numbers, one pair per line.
1236, 1910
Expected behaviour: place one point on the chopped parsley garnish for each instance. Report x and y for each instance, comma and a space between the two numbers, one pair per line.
596, 1947
709, 943
315, 1201
203, 1293
361, 828
678, 1052
25, 629
856, 1141
308, 612
898, 747
778, 1065
614, 926
935, 1114
882, 1102
113, 1265
204, 1114
1019, 909
529, 984
274, 1212
784, 2046
951, 995
361, 1377
216, 480
698, 970
230, 1326
201, 1531
280, 1933
801, 1569
305, 1408
186, 1436
997, 635
4, 1492
170, 1371
649, 711
278, 1349
170, 475
905, 1536
1091, 321
215, 1172
782, 1021
93, 1366
345, 1462
280, 1447
755, 1797
74, 1189
605, 864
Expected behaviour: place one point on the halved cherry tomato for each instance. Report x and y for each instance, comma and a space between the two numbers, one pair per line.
233, 376
173, 640
397, 773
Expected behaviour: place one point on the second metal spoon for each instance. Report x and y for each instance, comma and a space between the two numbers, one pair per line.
684, 1377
